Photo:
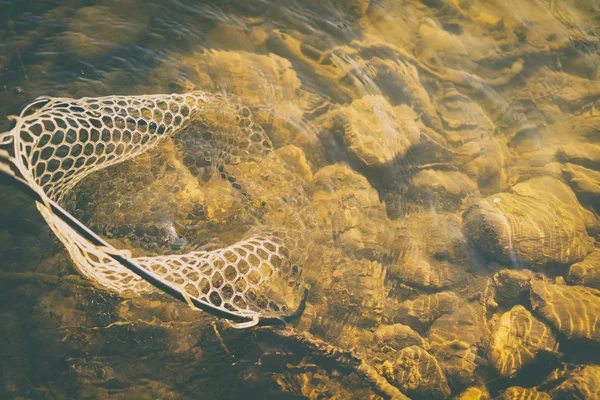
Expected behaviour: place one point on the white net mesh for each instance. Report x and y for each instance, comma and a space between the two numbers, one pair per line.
58, 142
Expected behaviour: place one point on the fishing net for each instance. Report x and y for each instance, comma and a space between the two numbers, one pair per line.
57, 142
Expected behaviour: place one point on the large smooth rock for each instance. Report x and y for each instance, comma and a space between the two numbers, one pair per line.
421, 312
539, 222
572, 310
517, 339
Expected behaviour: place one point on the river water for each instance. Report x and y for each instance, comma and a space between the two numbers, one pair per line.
440, 159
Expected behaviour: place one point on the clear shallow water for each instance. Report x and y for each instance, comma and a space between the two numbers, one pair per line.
445, 141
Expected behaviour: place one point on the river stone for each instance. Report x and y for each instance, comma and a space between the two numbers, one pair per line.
474, 393
421, 312
517, 339
418, 374
346, 203
582, 385
400, 82
572, 310
464, 120
521, 393
357, 292
455, 339
374, 132
433, 252
520, 228
585, 183
398, 336
587, 155
586, 272
442, 189
96, 30
511, 286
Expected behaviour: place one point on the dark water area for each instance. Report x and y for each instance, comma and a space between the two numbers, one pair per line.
432, 166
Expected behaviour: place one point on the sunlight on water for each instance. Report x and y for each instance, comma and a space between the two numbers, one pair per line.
429, 169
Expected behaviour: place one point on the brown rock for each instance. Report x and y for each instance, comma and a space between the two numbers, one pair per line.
421, 312
586, 272
432, 252
454, 340
346, 203
357, 292
398, 336
582, 385
445, 190
474, 393
519, 227
417, 373
585, 183
572, 310
374, 132
517, 339
587, 155
517, 392
510, 286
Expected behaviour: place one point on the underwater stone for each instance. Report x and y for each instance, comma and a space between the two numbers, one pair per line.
586, 272
517, 339
582, 385
474, 393
417, 373
421, 312
455, 339
398, 336
345, 202
374, 132
444, 189
572, 310
432, 252
519, 228
511, 286
517, 392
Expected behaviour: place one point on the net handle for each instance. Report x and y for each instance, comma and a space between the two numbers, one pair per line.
8, 176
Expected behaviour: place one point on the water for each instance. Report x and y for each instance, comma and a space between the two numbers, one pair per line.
430, 151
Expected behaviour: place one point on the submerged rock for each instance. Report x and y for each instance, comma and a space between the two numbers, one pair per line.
432, 252
474, 393
585, 183
517, 339
517, 392
587, 156
455, 339
572, 310
374, 132
421, 312
587, 271
357, 292
417, 373
510, 286
518, 227
398, 336
346, 203
446, 190
582, 385
96, 30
